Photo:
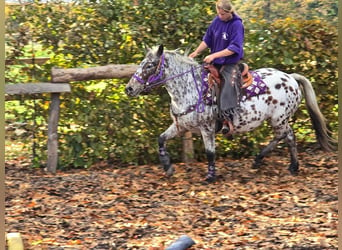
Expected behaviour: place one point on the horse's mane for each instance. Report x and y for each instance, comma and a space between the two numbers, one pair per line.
183, 58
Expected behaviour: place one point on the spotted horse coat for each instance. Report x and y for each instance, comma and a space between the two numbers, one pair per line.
191, 111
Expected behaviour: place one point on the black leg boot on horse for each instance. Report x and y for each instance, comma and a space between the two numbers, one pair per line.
229, 96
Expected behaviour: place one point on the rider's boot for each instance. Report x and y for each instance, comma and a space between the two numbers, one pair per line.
227, 128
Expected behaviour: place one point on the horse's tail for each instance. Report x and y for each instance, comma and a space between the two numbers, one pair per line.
326, 142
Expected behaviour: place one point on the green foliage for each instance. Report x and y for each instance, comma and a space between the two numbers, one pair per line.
99, 122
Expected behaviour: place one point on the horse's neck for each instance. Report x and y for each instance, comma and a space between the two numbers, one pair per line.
182, 84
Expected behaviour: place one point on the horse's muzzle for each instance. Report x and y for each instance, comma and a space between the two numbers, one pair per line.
129, 91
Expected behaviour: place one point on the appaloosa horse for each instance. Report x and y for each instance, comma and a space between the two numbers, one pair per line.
273, 96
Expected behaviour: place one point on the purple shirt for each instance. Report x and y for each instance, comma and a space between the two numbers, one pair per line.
226, 35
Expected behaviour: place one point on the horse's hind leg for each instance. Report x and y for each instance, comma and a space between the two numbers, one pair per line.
291, 142
266, 150
164, 156
290, 139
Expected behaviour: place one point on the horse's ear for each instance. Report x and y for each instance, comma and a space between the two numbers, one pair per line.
160, 50
146, 48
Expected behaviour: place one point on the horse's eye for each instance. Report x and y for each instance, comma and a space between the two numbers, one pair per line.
149, 65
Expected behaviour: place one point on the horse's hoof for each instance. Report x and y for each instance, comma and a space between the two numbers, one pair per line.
293, 168
210, 179
256, 165
257, 162
169, 172
294, 172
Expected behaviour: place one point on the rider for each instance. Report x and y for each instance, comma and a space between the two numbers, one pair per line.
224, 37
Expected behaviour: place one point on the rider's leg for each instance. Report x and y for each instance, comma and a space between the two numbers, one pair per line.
230, 92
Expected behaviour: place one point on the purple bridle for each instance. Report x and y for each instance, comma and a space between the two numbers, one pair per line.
155, 80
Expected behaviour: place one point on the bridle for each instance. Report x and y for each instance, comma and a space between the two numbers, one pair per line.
156, 79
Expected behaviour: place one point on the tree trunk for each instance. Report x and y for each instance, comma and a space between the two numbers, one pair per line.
110, 71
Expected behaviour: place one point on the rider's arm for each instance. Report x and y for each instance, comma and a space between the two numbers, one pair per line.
199, 49
221, 53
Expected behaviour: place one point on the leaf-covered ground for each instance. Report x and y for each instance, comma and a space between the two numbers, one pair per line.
136, 207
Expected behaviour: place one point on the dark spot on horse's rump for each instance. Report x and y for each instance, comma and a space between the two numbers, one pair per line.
275, 101
278, 86
283, 79
291, 89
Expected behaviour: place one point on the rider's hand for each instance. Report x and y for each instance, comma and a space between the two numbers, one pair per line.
209, 59
193, 54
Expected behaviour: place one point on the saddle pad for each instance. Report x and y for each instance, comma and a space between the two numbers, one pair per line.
258, 87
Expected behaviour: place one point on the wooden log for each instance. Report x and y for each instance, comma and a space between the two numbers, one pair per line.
110, 71
37, 60
36, 88
52, 133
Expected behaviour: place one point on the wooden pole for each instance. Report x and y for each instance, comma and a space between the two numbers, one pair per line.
110, 71
52, 133
188, 147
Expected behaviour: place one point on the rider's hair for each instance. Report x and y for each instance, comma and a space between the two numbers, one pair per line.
225, 5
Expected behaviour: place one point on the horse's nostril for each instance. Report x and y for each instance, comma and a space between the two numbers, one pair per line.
128, 90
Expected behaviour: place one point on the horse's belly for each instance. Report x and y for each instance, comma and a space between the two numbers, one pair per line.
195, 121
252, 114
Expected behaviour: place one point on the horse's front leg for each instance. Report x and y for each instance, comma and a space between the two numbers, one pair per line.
164, 156
209, 144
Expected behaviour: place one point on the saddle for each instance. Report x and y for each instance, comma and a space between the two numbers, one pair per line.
247, 77
215, 76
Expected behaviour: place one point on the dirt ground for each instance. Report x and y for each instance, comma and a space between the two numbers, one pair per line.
137, 207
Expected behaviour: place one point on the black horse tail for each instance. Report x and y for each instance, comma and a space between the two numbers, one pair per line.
323, 134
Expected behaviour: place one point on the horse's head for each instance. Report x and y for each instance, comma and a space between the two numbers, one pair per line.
149, 73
